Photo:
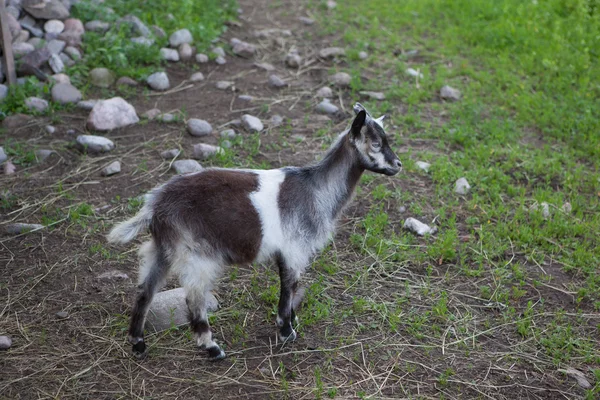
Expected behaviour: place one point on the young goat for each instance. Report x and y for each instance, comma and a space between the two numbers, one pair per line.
204, 221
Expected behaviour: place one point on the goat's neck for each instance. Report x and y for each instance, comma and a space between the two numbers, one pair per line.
336, 175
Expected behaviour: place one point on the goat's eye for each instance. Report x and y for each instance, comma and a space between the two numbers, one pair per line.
376, 145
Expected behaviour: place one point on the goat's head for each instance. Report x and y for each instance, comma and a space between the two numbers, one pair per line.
371, 144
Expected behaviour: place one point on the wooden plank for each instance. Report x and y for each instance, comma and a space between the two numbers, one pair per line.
8, 63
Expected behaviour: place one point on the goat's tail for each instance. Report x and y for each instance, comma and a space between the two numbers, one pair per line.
127, 231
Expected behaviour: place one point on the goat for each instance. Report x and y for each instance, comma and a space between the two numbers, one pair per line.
204, 221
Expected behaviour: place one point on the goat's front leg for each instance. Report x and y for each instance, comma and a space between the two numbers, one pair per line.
285, 314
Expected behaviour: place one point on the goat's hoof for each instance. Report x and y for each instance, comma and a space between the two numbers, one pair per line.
215, 353
139, 350
287, 336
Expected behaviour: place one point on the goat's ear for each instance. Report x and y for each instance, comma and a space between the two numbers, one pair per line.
380, 120
358, 123
357, 107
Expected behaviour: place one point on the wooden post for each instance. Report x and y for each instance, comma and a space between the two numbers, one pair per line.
6, 44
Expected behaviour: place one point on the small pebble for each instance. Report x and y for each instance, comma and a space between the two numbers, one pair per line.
423, 165
223, 85
276, 82
461, 186
5, 342
151, 114
227, 133
414, 73
197, 77
198, 127
186, 166
220, 60
416, 226
201, 58
62, 314
245, 97
170, 154
325, 92
50, 129
112, 169
251, 123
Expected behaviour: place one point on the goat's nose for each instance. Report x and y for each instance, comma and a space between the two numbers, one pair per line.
398, 163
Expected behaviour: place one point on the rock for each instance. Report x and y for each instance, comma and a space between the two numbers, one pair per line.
423, 165
267, 33
326, 107
218, 51
203, 151
3, 156
13, 26
9, 168
97, 26
374, 95
251, 123
54, 26
414, 73
363, 55
102, 77
402, 209
14, 11
341, 79
331, 4
3, 92
48, 9
5, 342
56, 46
180, 37
18, 228
143, 41
325, 92
185, 52
266, 66
293, 60
566, 208
49, 129
111, 114
224, 85
75, 26
21, 49
43, 154
461, 186
578, 376
136, 25
220, 60
226, 134
61, 78
449, 93
37, 42
94, 144
62, 315
36, 104
166, 117
37, 57
197, 77
306, 20
87, 105
126, 81
170, 154
545, 210
201, 58
65, 93
169, 54
331, 52
418, 227
245, 97
158, 81
72, 38
23, 37
244, 50
169, 309
111, 169
226, 144
275, 121
113, 275
276, 82
73, 52
16, 121
66, 60
186, 166
158, 31
198, 127
151, 114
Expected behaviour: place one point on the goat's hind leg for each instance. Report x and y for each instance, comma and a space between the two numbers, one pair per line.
285, 315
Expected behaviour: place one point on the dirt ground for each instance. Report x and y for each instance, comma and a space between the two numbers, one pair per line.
86, 355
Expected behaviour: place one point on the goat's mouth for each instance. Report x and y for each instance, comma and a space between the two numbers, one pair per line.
387, 171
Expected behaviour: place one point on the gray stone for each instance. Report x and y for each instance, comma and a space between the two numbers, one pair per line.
363, 55
18, 228
169, 54
245, 97
37, 57
111, 114
87, 105
68, 61
416, 226
227, 134
159, 81
158, 31
578, 376
293, 60
331, 52
203, 151
179, 37
3, 92
56, 46
151, 114
423, 165
34, 30
54, 26
197, 77
13, 25
266, 66
50, 129
43, 154
37, 42
62, 315
21, 49
95, 144
220, 60
51, 9
226, 144
201, 58
198, 127
126, 81
449, 93
73, 52
143, 41
61, 78
97, 26
36, 104
244, 49
252, 124
414, 73
22, 38
14, 11
306, 20
545, 210
461, 186
111, 169
224, 85
272, 32
169, 309
113, 275
325, 92
185, 52
276, 82
170, 154
5, 342
186, 166
402, 209
566, 208
326, 107
341, 79
102, 77
166, 117
9, 168
374, 95
65, 93
137, 26
275, 121
4, 157
218, 51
